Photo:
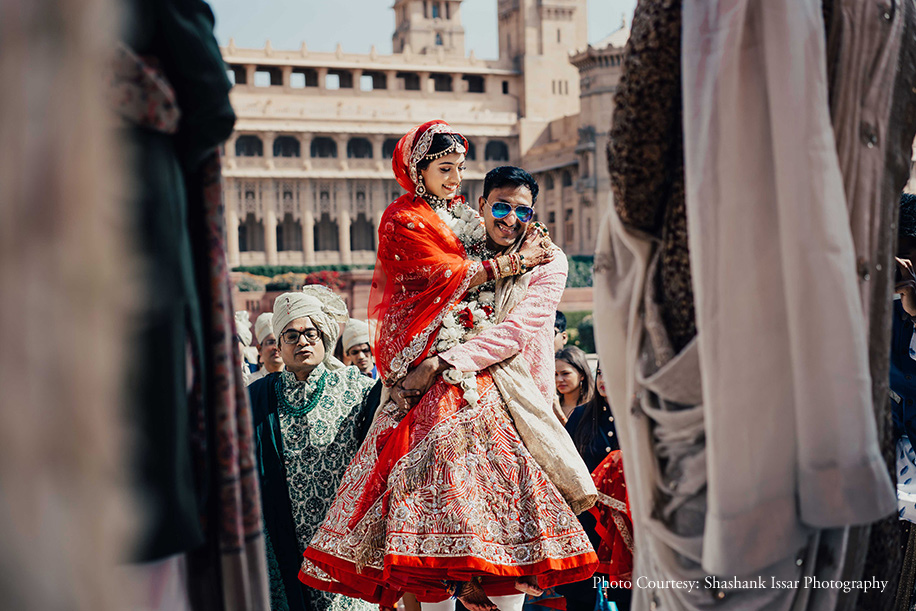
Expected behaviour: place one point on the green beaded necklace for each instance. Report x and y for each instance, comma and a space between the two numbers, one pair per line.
297, 407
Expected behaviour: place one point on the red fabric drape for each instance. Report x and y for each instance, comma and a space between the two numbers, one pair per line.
421, 268
615, 526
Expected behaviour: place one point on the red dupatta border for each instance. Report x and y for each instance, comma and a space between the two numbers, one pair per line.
427, 576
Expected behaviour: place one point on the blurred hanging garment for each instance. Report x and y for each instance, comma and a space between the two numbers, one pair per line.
727, 471
195, 461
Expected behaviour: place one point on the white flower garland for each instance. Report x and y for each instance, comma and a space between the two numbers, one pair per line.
466, 223
475, 313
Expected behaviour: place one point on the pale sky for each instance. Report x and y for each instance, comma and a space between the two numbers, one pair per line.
359, 24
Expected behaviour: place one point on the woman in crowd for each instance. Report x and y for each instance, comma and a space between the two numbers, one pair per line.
445, 499
309, 422
591, 426
574, 380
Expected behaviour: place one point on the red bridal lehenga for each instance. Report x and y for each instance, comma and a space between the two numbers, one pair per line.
449, 491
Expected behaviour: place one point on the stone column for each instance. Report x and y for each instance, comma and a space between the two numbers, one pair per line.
270, 231
480, 148
232, 230
305, 148
287, 76
249, 75
308, 237
341, 141
322, 78
343, 224
378, 142
357, 76
269, 138
426, 83
391, 80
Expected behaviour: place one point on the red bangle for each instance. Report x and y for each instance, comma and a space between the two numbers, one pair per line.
488, 267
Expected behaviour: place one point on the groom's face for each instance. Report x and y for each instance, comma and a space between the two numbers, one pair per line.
502, 232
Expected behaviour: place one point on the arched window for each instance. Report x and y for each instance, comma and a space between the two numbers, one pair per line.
438, 40
286, 146
388, 147
569, 228
471, 155
435, 10
567, 178
289, 234
496, 151
362, 235
359, 148
548, 181
442, 82
251, 235
324, 147
249, 146
326, 233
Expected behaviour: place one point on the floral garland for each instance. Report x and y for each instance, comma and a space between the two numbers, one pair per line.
467, 225
476, 311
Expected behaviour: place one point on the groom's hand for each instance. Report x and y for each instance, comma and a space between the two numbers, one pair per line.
404, 398
422, 377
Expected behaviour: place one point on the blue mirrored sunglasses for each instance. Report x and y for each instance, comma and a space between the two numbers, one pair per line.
502, 210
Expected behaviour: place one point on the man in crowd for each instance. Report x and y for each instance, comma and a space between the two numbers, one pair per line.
243, 335
268, 349
560, 336
357, 350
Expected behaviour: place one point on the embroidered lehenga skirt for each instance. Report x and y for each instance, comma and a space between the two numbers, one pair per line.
447, 493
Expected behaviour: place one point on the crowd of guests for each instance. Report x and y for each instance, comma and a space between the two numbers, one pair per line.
580, 393
363, 459
325, 424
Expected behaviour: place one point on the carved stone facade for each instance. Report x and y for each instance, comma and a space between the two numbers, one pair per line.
308, 169
570, 163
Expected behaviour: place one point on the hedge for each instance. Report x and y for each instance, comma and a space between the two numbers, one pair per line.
270, 271
580, 271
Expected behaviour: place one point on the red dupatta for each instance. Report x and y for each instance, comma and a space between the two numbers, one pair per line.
421, 268
614, 522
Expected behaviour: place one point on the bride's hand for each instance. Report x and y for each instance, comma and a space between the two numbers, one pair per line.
537, 247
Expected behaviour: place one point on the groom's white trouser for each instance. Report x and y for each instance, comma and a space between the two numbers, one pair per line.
514, 602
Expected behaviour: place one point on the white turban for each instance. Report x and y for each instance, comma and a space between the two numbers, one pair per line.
322, 306
243, 327
263, 326
355, 333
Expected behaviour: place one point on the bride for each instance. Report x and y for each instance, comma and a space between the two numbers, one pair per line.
445, 499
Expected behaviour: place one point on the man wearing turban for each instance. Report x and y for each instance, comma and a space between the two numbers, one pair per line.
243, 335
309, 421
356, 348
268, 348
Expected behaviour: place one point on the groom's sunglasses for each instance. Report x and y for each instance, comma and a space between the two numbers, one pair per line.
502, 210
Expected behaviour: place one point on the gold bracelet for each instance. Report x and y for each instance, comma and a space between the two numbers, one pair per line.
504, 262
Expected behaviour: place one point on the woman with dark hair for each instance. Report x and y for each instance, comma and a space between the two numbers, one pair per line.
574, 379
591, 426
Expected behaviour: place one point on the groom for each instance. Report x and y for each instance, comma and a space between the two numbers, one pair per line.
507, 208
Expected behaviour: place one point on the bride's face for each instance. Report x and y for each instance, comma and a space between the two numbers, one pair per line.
443, 176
